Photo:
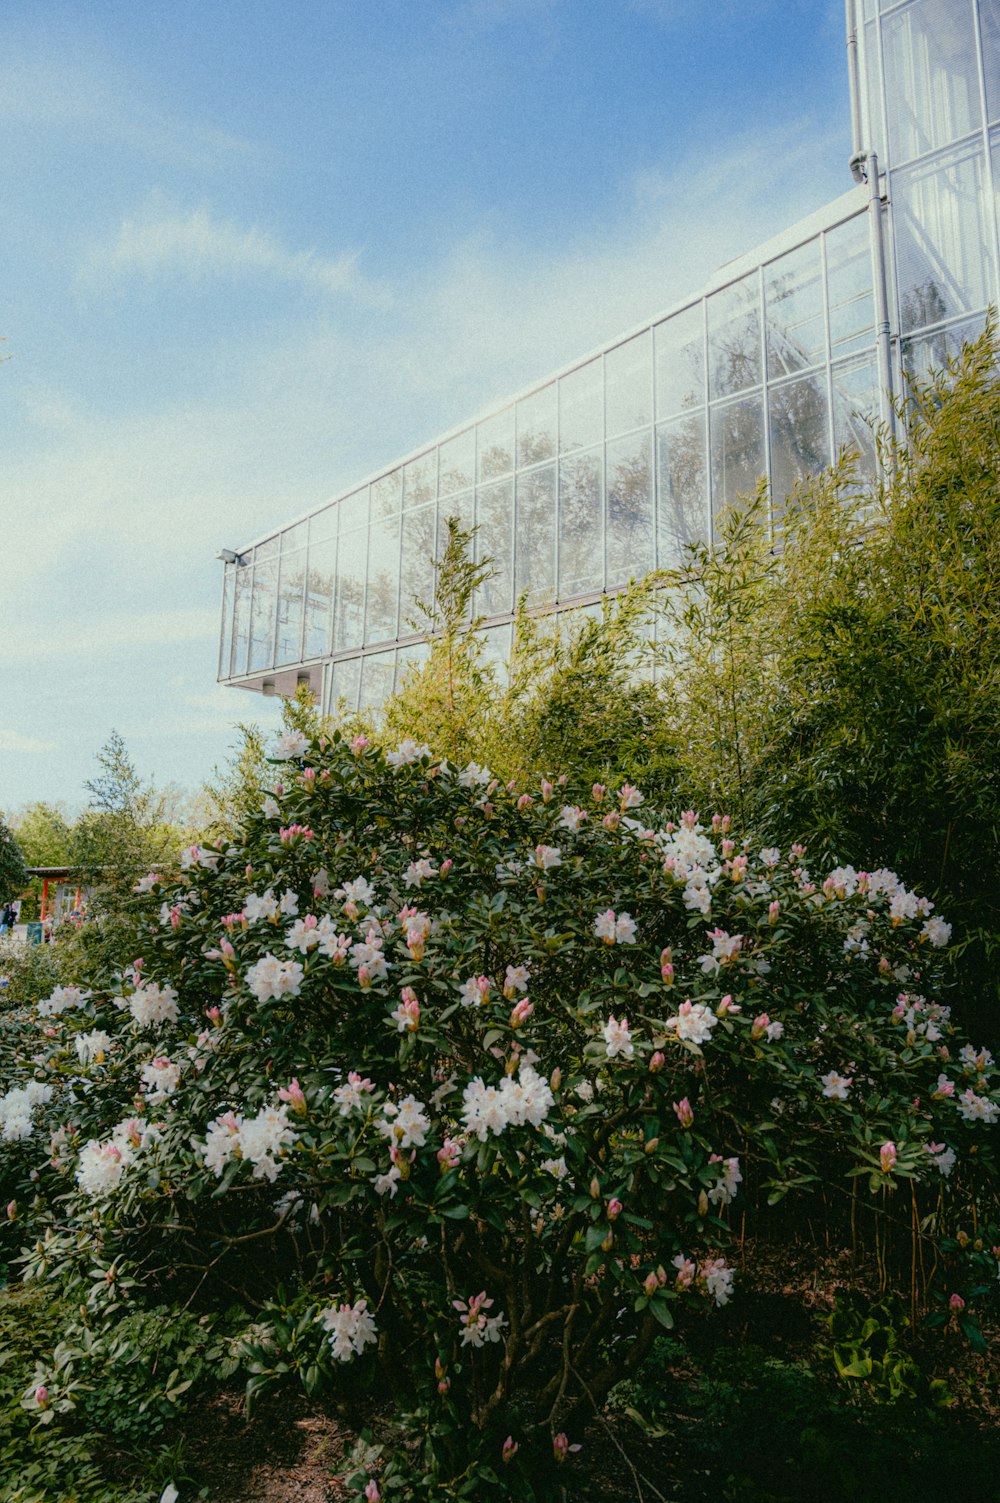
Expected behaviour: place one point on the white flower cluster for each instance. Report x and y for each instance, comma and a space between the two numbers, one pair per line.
977, 1060
351, 1329
291, 744
350, 1096
478, 1328
942, 1157
418, 872
265, 905
101, 1165
406, 752
690, 857
261, 1140
159, 1079
274, 978
725, 1187
405, 1125
718, 1279
474, 775
618, 1038
920, 1016
571, 817
62, 1000
615, 929
725, 947
977, 1108
512, 1103
693, 1023
91, 1048
150, 1004
311, 933
199, 855
16, 1108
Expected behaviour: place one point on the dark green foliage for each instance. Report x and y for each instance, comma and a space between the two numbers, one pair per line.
13, 871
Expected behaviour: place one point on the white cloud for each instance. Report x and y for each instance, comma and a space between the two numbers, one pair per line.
161, 241
14, 741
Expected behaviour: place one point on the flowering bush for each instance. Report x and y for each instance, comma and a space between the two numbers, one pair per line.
453, 1085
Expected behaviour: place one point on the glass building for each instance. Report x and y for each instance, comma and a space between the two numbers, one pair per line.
610, 466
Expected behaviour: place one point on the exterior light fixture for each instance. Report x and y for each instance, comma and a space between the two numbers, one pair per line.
228, 556
268, 687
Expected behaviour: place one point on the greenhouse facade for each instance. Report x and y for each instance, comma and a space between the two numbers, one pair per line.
609, 467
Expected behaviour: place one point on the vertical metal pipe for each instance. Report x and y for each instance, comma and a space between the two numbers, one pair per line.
857, 143
883, 328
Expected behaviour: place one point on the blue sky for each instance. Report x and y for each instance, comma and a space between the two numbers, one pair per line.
253, 249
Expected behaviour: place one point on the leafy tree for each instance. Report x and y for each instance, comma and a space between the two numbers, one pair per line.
13, 870
45, 835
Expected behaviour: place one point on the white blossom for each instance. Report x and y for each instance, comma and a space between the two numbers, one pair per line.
274, 978
351, 1329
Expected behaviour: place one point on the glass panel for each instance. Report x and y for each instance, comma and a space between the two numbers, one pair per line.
800, 433
628, 385
680, 362
629, 528
495, 445
265, 551
291, 590
349, 610
226, 638
496, 650
734, 338
416, 570
463, 509
457, 462
922, 356
413, 656
873, 123
944, 254
323, 524
856, 409
536, 426
262, 609
581, 524
495, 539
294, 537
849, 293
241, 620
535, 538
383, 579
346, 684
737, 447
581, 407
386, 496
420, 481
793, 305
682, 480
931, 82
378, 674
989, 13
320, 583
354, 511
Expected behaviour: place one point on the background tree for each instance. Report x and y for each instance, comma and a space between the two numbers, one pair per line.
45, 835
13, 871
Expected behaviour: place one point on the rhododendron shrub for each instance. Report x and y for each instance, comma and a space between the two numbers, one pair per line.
457, 1088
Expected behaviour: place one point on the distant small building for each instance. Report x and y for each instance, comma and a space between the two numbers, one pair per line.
65, 895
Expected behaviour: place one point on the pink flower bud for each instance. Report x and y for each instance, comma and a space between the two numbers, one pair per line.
759, 1026
614, 1208
773, 910
546, 790
359, 744
956, 1303
521, 1012
524, 802
555, 1079
509, 1450
597, 792
364, 976
42, 1393
728, 847
887, 1157
685, 1115
651, 1284
371, 1491
295, 1096
595, 1188
446, 866
612, 821
12, 1210
656, 1061
560, 1445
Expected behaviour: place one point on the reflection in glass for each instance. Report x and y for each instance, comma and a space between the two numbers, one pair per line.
800, 433
411, 657
262, 610
931, 77
349, 609
734, 338
495, 518
241, 620
323, 524
291, 590
872, 105
416, 566
345, 684
536, 426
226, 643
680, 362
989, 22
921, 357
850, 293
793, 308
496, 651
294, 537
386, 496
354, 511
535, 537
320, 584
495, 445
856, 410
265, 551
736, 436
457, 462
463, 509
378, 675
682, 488
581, 524
383, 580
581, 407
420, 481
943, 249
628, 385
628, 537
